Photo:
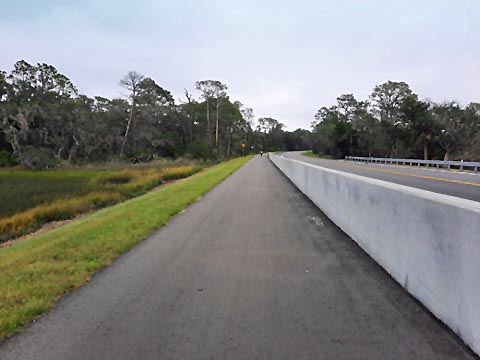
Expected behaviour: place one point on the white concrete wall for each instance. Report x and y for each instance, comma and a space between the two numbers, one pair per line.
428, 242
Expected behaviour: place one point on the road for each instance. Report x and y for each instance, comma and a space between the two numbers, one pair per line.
462, 185
251, 271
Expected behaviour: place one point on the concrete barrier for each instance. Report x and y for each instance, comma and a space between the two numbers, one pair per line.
428, 242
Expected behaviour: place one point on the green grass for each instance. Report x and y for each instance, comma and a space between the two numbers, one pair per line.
312, 155
32, 198
37, 271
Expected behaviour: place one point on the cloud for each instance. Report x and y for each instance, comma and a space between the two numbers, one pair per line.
284, 59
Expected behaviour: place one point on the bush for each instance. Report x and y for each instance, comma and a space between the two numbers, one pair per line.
38, 158
7, 159
201, 150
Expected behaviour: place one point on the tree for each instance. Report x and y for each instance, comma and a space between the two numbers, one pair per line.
449, 117
369, 135
234, 128
297, 140
43, 120
208, 90
220, 93
272, 133
37, 113
130, 82
471, 131
349, 109
420, 123
51, 86
22, 80
212, 89
323, 131
160, 131
325, 114
189, 114
112, 119
40, 83
5, 87
268, 125
247, 124
387, 98
386, 101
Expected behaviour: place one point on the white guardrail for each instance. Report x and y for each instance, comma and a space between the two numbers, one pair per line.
461, 165
428, 242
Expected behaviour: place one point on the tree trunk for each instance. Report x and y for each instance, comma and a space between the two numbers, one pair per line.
190, 129
59, 153
216, 129
229, 143
425, 150
446, 157
191, 118
209, 132
126, 131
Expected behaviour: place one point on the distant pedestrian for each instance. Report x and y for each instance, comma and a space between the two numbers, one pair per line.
261, 153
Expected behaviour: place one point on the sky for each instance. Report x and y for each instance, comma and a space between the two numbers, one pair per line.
284, 59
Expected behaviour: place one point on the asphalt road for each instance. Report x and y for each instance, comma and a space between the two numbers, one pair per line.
462, 185
251, 271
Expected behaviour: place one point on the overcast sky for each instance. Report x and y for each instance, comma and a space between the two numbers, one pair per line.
285, 59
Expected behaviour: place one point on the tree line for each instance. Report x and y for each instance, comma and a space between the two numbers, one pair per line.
44, 121
393, 122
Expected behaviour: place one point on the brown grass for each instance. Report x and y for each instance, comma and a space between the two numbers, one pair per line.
112, 188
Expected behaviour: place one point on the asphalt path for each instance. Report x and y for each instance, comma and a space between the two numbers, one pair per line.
251, 271
463, 185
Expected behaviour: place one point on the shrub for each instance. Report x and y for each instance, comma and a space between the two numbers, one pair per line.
201, 150
38, 158
7, 159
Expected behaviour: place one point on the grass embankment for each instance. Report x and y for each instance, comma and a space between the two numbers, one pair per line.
37, 271
312, 155
33, 198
